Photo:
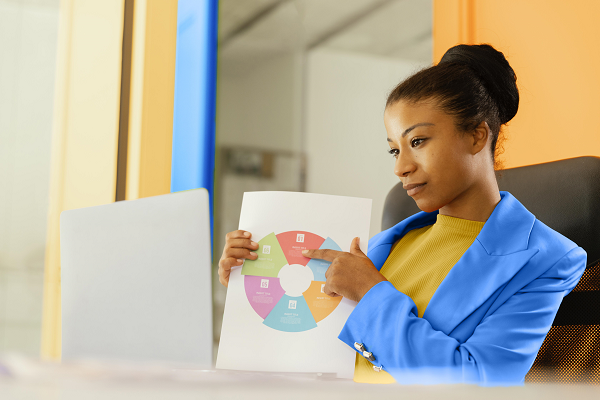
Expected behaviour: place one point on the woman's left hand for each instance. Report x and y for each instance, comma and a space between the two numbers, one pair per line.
350, 275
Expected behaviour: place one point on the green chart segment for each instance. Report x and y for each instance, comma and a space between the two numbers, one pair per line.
270, 258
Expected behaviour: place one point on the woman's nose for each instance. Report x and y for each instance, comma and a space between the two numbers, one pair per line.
403, 166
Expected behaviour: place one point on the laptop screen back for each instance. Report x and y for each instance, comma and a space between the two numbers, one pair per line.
136, 280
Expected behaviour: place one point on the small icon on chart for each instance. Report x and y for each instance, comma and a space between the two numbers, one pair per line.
322, 288
300, 238
264, 283
266, 249
292, 305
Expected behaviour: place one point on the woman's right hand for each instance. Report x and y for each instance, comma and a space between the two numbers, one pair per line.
238, 246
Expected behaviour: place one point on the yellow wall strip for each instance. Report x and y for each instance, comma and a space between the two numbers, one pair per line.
152, 94
85, 132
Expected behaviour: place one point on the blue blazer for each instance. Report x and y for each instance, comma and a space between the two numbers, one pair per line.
488, 318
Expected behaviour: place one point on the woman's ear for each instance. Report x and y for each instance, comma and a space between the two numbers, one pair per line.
481, 134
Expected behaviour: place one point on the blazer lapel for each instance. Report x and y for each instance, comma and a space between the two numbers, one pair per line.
381, 244
498, 253
472, 280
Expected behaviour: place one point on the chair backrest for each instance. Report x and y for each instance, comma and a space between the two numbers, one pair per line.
565, 195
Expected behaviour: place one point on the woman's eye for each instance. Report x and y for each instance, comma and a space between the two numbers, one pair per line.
393, 152
412, 142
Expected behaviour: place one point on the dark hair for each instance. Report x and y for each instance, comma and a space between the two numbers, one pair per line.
473, 83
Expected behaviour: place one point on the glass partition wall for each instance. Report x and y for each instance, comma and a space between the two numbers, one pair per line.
300, 97
28, 39
301, 91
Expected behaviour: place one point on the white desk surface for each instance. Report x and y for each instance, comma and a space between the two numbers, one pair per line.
29, 379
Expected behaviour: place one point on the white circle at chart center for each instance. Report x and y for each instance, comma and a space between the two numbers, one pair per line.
295, 279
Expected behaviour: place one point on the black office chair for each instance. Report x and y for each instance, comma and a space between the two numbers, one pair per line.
565, 195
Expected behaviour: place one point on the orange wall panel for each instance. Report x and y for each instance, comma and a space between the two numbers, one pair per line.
551, 46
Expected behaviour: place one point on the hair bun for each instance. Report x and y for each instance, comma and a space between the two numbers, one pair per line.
495, 72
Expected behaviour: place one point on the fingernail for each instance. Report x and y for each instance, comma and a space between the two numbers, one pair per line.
254, 243
304, 251
240, 260
252, 253
247, 234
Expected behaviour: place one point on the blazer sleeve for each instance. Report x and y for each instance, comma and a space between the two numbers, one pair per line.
500, 351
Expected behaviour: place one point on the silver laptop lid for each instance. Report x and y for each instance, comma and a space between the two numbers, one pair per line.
136, 280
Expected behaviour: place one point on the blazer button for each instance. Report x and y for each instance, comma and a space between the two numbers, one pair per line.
359, 346
376, 368
368, 355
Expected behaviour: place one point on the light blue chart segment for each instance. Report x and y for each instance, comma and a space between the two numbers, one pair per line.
319, 267
290, 314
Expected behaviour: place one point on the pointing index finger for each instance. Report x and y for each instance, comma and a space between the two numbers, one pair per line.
322, 254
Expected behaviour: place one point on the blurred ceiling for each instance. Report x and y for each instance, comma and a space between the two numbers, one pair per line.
251, 31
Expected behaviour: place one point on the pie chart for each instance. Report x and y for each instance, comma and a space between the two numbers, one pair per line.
285, 288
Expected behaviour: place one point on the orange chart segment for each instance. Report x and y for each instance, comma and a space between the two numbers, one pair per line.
319, 303
293, 242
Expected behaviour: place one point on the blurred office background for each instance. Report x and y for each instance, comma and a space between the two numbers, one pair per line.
28, 42
300, 96
301, 92
301, 89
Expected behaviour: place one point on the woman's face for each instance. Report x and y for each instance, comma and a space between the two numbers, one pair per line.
431, 152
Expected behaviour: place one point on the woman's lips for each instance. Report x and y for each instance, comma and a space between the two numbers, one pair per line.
416, 189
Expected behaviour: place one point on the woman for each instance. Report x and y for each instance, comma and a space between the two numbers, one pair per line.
467, 289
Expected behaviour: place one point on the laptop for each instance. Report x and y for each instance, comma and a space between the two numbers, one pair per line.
136, 281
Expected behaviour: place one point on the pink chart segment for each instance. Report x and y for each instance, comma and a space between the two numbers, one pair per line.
263, 293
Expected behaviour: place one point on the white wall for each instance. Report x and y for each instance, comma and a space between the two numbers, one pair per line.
260, 107
28, 34
332, 112
341, 133
345, 136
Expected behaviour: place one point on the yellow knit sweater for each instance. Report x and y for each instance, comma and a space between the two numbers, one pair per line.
416, 266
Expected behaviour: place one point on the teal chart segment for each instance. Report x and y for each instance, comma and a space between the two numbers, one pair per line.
291, 314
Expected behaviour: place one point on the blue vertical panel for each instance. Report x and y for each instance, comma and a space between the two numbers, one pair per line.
193, 161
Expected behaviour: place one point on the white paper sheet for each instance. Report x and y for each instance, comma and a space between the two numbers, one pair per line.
276, 318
